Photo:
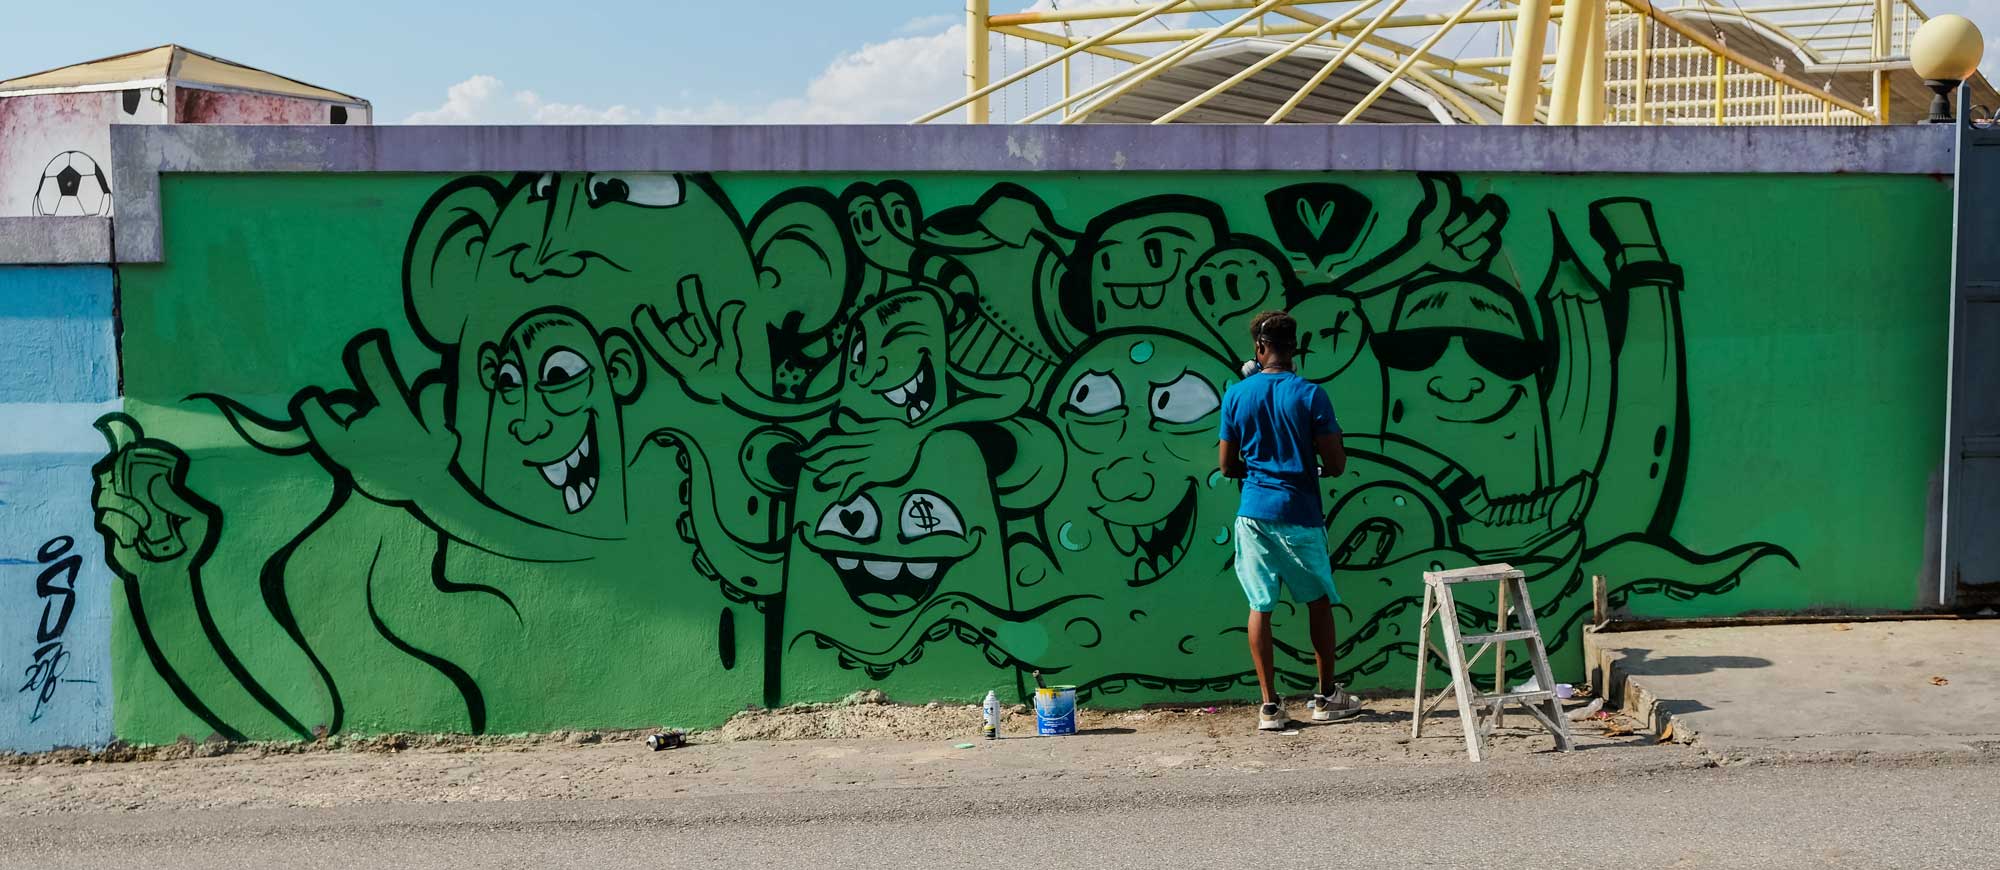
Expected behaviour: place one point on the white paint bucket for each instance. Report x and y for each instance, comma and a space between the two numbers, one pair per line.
1055, 710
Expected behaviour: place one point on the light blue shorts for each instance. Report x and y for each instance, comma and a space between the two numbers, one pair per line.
1268, 553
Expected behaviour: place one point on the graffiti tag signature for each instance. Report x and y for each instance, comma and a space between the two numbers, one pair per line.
56, 586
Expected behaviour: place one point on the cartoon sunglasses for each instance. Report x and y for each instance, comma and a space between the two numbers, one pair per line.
1504, 355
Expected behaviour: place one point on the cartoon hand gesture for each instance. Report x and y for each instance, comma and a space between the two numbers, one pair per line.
856, 451
140, 498
389, 436
1453, 234
700, 348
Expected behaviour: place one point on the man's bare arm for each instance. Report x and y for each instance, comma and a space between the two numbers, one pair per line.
1230, 460
1332, 456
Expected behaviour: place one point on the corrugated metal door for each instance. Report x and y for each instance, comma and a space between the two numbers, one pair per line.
1971, 564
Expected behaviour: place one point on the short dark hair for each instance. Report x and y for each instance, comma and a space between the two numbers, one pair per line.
1276, 330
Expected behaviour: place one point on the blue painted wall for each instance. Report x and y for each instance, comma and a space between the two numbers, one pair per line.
60, 373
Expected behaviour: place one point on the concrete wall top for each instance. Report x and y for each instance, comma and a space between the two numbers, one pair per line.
55, 241
141, 153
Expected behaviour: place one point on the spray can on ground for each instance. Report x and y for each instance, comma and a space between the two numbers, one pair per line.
992, 710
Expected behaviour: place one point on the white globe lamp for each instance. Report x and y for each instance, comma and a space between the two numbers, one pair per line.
1945, 52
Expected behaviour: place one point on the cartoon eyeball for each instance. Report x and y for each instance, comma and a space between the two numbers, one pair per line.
648, 189
1186, 399
927, 513
857, 519
1096, 393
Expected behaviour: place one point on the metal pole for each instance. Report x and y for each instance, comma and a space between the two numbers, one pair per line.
1325, 27
1398, 72
1327, 69
1151, 69
1066, 87
1524, 78
1883, 21
1721, 90
1747, 62
1590, 106
977, 111
1572, 50
1645, 65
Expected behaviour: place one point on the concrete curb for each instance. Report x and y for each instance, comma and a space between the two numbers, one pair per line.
1600, 663
1661, 716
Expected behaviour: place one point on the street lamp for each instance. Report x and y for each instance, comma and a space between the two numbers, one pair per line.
1946, 51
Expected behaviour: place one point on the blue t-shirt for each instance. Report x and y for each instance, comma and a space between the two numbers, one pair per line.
1273, 419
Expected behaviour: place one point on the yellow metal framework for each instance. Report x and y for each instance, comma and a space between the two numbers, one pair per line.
1553, 61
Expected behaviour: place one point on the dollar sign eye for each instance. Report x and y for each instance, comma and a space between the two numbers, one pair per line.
927, 513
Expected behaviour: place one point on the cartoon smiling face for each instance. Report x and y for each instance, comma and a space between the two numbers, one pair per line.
553, 434
1139, 257
861, 570
1461, 370
883, 219
892, 354
1138, 412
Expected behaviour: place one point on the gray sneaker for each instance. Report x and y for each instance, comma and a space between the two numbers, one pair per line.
1335, 707
1271, 717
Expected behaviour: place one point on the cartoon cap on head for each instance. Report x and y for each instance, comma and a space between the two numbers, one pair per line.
1477, 301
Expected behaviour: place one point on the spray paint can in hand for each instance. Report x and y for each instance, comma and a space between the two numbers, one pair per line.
992, 710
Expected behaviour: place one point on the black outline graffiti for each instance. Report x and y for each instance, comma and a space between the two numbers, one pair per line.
777, 394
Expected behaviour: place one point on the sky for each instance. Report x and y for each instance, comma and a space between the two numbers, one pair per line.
618, 61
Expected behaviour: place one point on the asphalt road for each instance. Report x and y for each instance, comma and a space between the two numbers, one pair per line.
1649, 815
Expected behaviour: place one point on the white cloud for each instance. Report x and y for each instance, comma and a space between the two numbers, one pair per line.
891, 81
464, 103
928, 23
484, 99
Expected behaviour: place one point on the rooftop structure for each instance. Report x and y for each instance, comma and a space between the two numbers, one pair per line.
56, 151
1704, 62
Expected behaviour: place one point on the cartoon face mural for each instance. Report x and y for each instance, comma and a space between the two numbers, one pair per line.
892, 356
1137, 410
888, 437
555, 387
883, 219
1134, 261
1461, 365
864, 572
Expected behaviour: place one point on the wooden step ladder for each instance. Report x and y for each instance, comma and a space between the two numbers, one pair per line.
1438, 602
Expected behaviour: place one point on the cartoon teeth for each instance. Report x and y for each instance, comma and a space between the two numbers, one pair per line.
1153, 538
574, 474
887, 587
1137, 295
1151, 567
1158, 546
912, 396
886, 569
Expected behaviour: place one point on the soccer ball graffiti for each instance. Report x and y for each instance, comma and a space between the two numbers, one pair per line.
73, 184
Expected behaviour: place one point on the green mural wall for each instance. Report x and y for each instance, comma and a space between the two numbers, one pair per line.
512, 453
